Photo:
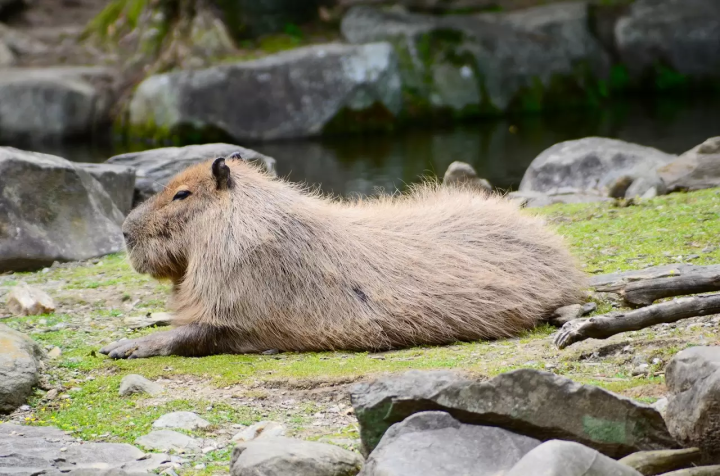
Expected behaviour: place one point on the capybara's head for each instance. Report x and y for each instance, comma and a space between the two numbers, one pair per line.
159, 231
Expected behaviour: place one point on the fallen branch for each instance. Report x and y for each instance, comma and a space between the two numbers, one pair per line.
614, 282
644, 293
602, 327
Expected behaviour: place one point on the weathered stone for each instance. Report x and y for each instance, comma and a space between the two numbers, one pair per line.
463, 173
19, 367
155, 167
650, 463
23, 300
693, 414
567, 314
298, 93
182, 420
590, 164
674, 39
436, 443
520, 401
485, 63
53, 103
52, 210
155, 319
118, 180
27, 450
133, 383
263, 429
696, 169
566, 458
168, 440
280, 456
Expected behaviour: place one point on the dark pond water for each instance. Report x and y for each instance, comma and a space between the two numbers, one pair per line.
500, 150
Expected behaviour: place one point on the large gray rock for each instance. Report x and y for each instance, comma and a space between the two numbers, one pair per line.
682, 35
538, 404
566, 458
20, 361
590, 164
472, 65
696, 169
52, 210
298, 93
280, 456
155, 167
28, 450
436, 443
53, 103
693, 414
118, 180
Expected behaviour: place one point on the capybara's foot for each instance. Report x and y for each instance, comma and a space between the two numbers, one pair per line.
148, 346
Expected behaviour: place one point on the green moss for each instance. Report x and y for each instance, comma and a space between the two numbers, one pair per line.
667, 79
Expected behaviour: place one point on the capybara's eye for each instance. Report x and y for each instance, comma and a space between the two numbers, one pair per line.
182, 195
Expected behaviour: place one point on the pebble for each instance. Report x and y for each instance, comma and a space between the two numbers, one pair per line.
134, 383
54, 353
264, 429
642, 369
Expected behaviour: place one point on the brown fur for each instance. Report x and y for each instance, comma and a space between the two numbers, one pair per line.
276, 267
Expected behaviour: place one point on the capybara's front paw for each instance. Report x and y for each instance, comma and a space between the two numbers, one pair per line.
148, 346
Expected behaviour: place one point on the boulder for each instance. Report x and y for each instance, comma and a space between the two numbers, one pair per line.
566, 458
696, 169
463, 173
22, 300
473, 65
591, 164
280, 456
168, 441
181, 420
436, 443
52, 210
20, 362
520, 401
118, 180
651, 463
54, 103
133, 383
155, 167
299, 93
670, 40
26, 450
693, 414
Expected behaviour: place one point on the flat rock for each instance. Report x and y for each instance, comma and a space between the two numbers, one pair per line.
158, 319
46, 450
696, 169
52, 210
263, 429
168, 440
155, 167
302, 92
118, 181
642, 37
287, 456
134, 383
520, 401
650, 463
54, 103
566, 458
693, 381
182, 420
20, 360
435, 443
23, 300
590, 164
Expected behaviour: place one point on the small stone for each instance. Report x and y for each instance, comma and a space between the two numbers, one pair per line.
24, 300
589, 307
24, 408
271, 352
54, 353
263, 429
158, 319
708, 249
550, 366
168, 440
650, 463
566, 314
138, 384
181, 420
199, 466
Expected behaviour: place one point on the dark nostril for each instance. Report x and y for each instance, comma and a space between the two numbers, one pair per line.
126, 236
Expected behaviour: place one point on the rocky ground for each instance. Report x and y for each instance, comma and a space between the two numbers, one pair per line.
308, 393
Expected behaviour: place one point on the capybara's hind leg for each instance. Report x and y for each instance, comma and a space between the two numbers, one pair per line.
193, 340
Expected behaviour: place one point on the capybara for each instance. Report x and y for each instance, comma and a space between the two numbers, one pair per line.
259, 263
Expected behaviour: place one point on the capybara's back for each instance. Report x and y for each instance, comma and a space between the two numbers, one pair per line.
289, 270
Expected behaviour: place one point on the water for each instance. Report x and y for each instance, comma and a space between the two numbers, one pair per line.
500, 150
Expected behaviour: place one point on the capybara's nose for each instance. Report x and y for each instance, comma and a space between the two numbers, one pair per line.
126, 236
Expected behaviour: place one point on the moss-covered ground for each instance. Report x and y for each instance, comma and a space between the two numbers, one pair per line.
308, 392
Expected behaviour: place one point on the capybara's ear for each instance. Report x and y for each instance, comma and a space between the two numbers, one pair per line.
235, 156
221, 173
